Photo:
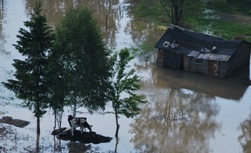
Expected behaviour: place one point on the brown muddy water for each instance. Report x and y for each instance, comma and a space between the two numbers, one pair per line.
186, 113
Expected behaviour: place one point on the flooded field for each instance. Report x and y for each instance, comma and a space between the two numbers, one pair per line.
186, 113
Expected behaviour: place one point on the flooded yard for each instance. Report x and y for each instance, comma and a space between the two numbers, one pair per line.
186, 113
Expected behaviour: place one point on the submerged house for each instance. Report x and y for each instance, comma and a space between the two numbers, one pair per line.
183, 49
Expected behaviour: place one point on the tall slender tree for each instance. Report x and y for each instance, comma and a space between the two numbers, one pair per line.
57, 86
34, 43
177, 10
122, 94
85, 60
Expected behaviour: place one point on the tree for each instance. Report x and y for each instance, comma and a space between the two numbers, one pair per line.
126, 83
84, 59
34, 44
176, 10
57, 86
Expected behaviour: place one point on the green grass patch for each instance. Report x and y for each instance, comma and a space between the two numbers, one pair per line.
230, 30
149, 10
231, 6
225, 29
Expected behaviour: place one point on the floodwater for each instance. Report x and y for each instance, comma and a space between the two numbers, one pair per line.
186, 113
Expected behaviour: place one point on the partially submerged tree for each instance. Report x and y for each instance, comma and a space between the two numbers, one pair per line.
176, 10
30, 83
122, 95
84, 59
57, 86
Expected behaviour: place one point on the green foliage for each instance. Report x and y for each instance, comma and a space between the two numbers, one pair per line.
153, 9
126, 84
230, 6
34, 44
56, 81
82, 54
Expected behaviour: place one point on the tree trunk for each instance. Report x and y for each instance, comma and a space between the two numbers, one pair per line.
59, 119
55, 119
74, 110
117, 131
178, 13
174, 10
38, 124
116, 145
117, 124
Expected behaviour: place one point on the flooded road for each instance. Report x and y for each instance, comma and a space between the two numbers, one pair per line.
186, 113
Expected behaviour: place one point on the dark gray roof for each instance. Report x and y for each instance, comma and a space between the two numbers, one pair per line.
189, 41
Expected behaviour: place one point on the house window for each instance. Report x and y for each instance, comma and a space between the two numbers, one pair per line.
198, 61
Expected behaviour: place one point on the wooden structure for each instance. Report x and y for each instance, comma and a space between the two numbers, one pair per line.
183, 49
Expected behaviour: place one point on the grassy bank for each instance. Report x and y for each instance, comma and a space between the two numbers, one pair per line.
222, 28
231, 6
216, 24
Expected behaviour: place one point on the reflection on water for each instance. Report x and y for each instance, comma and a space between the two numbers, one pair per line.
178, 120
77, 147
182, 113
245, 137
233, 87
119, 28
106, 12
